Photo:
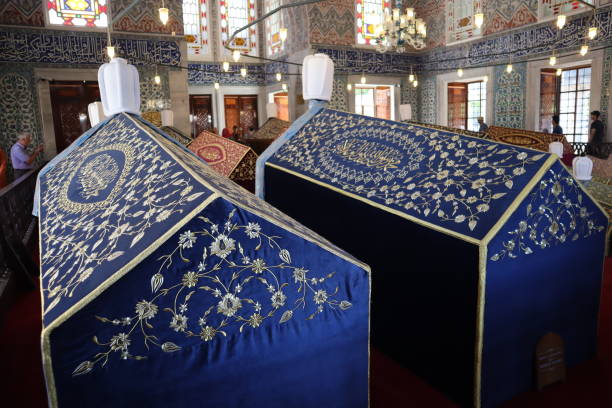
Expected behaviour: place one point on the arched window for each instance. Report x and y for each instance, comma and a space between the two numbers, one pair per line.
195, 26
77, 13
274, 45
235, 14
369, 14
460, 20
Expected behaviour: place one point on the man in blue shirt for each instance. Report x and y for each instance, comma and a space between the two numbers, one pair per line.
557, 130
20, 158
483, 128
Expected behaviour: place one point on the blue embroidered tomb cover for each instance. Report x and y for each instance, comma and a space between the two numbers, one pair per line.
494, 243
165, 284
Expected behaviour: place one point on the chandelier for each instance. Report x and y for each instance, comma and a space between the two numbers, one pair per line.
399, 31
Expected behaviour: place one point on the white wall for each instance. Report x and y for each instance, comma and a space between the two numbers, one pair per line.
469, 75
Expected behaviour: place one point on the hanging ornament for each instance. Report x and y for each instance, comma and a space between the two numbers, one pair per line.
164, 15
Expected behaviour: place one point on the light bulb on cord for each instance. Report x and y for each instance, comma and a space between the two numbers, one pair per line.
478, 20
284, 87
460, 72
411, 77
561, 19
584, 49
559, 71
509, 68
592, 33
349, 86
243, 72
157, 79
415, 83
217, 86
110, 51
236, 55
163, 14
485, 79
283, 34
226, 66
552, 61
363, 79
279, 76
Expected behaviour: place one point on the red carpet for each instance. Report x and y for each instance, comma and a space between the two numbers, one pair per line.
588, 385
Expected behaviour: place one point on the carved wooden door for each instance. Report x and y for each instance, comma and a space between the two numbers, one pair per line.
241, 111
69, 101
201, 115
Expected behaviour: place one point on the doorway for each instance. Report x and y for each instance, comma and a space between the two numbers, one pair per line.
200, 114
281, 100
374, 100
69, 101
241, 111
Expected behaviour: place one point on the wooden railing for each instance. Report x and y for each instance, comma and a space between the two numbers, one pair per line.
580, 148
18, 228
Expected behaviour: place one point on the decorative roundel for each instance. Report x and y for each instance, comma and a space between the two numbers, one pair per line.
98, 179
212, 153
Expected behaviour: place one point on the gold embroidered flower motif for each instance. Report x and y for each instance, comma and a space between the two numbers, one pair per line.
229, 305
146, 310
222, 246
555, 220
190, 279
439, 175
222, 280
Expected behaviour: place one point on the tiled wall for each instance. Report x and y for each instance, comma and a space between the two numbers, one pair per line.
18, 105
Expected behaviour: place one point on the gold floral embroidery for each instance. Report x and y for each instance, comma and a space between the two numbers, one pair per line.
77, 238
219, 277
430, 174
556, 212
96, 175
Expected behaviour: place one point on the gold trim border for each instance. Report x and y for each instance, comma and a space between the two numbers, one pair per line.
482, 271
46, 343
46, 332
379, 206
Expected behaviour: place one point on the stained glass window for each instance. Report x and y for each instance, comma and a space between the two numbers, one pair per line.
235, 14
369, 14
274, 45
79, 13
552, 8
195, 26
460, 20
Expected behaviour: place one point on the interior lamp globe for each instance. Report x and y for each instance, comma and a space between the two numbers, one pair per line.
561, 20
478, 19
164, 15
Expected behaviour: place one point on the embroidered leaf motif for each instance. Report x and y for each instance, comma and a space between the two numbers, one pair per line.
194, 196
137, 238
114, 255
170, 347
509, 183
83, 368
285, 256
156, 281
472, 224
498, 195
345, 304
286, 316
